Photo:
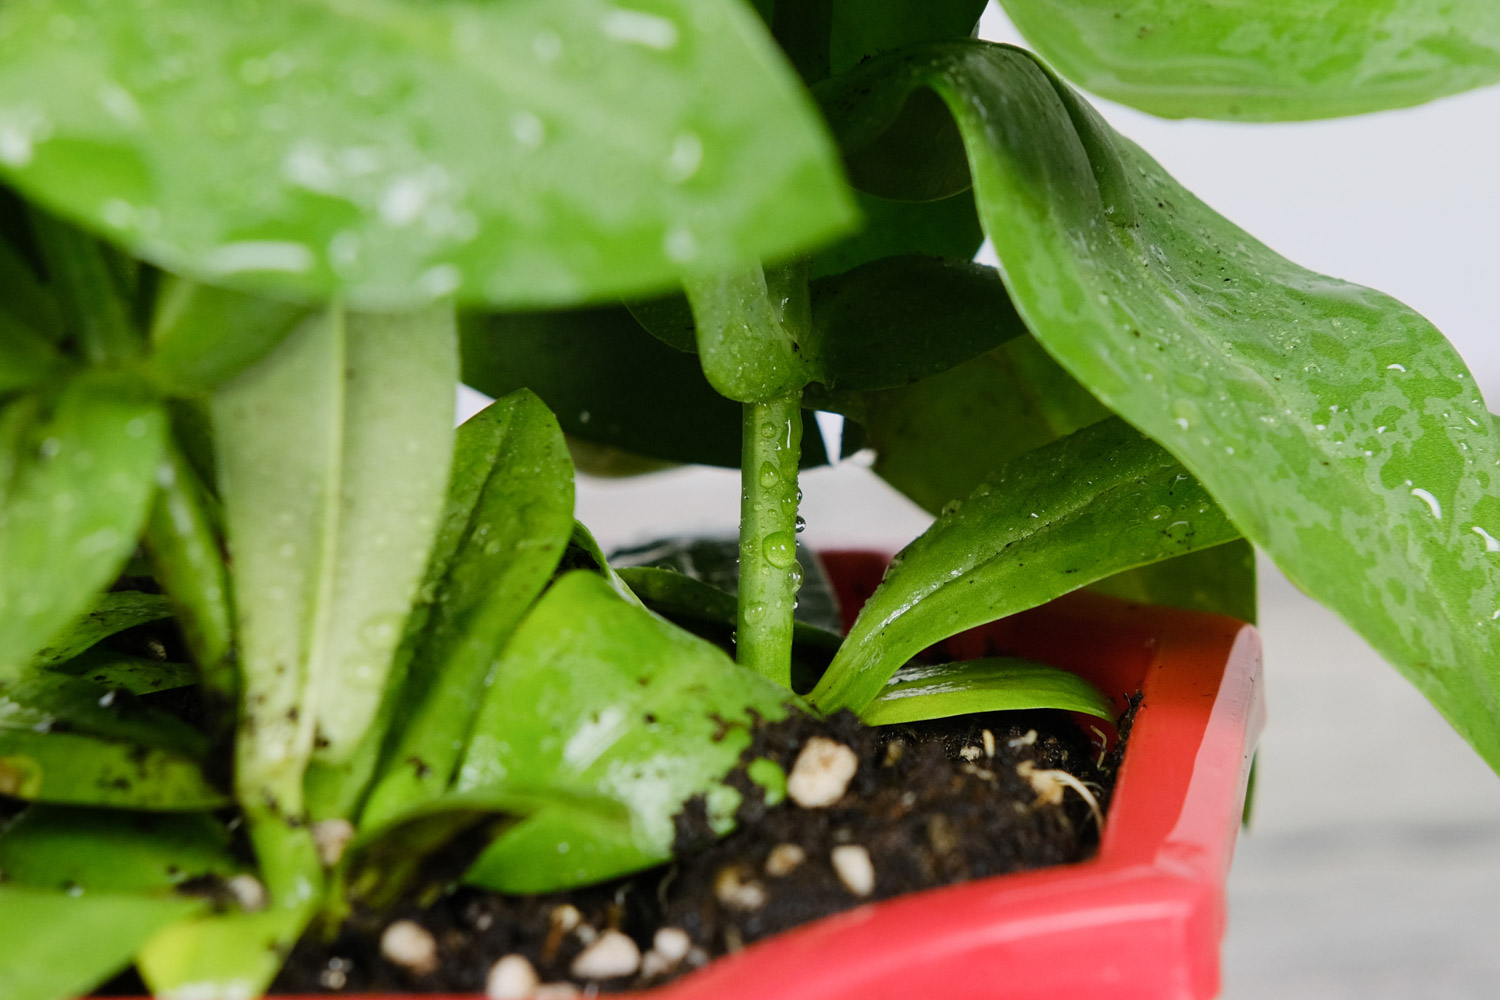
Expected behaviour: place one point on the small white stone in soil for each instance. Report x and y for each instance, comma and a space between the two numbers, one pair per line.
671, 943
511, 978
970, 753
610, 957
566, 917
784, 859
736, 891
332, 836
989, 743
854, 867
411, 946
654, 964
821, 773
697, 956
585, 934
556, 991
1022, 741
248, 891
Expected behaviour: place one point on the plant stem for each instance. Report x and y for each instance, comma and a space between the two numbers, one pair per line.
93, 302
769, 572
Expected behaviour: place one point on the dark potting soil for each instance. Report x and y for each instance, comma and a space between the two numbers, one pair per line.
928, 805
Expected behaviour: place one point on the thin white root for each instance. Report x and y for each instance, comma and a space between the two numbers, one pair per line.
1050, 785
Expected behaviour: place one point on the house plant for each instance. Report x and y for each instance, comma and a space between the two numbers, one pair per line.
261, 356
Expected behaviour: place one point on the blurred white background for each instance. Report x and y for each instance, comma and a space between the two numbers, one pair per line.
1372, 867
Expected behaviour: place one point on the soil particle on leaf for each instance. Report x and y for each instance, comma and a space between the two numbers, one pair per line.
922, 805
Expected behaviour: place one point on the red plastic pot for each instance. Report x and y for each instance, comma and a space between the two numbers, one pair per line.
1142, 920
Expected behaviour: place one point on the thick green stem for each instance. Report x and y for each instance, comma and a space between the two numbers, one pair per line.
769, 572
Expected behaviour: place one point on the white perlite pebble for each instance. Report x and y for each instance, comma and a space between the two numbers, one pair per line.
736, 890
566, 917
556, 991
411, 946
654, 964
332, 836
248, 891
821, 773
511, 978
611, 956
671, 943
855, 869
784, 859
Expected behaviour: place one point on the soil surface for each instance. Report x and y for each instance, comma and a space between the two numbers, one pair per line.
927, 805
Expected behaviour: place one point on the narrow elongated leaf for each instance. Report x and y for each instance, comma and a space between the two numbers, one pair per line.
595, 697
69, 740
113, 613
26, 357
221, 956
77, 471
112, 851
1335, 426
134, 674
60, 946
679, 596
1095, 503
25, 299
1267, 61
332, 457
508, 521
522, 153
937, 691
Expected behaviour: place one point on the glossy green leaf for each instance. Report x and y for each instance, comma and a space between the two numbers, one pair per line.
948, 227
112, 613
59, 946
202, 336
1267, 61
68, 740
584, 553
750, 325
77, 472
1095, 503
134, 674
936, 691
508, 520
113, 851
865, 28
524, 153
1335, 426
609, 382
595, 697
333, 453
1220, 580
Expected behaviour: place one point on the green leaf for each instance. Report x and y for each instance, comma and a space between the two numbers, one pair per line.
507, 523
60, 946
114, 612
865, 28
609, 382
893, 321
680, 597
936, 691
333, 452
68, 740
222, 956
948, 227
26, 358
584, 553
1267, 61
1220, 580
202, 336
1334, 425
25, 300
1095, 503
77, 472
597, 698
529, 153
112, 851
